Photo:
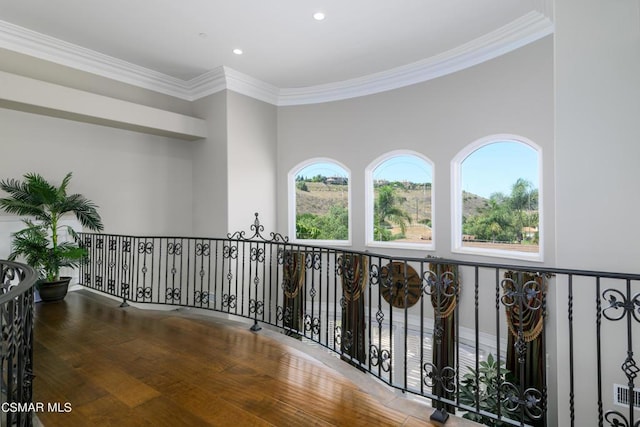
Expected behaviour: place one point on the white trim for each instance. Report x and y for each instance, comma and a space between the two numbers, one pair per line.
456, 200
25, 41
524, 30
61, 101
291, 197
206, 84
370, 199
223, 78
252, 87
527, 29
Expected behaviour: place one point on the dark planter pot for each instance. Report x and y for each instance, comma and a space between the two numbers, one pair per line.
54, 291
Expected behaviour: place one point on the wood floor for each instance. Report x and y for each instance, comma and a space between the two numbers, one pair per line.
130, 367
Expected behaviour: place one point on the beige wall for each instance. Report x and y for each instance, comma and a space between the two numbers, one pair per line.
142, 183
511, 94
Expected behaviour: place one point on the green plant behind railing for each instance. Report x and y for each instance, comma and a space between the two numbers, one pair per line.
44, 205
486, 385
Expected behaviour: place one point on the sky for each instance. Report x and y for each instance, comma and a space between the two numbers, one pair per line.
496, 167
490, 169
322, 168
399, 168
404, 168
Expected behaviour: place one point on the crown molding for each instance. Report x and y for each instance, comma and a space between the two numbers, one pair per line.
545, 7
527, 29
25, 41
206, 84
250, 86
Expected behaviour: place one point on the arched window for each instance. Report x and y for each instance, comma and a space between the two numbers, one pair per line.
319, 200
399, 198
497, 198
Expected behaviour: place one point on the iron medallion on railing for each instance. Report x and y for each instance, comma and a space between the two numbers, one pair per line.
311, 324
201, 297
256, 307
380, 358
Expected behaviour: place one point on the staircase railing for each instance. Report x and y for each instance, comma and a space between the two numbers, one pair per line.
510, 344
16, 354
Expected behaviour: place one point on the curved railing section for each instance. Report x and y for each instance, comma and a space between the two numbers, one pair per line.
16, 354
478, 340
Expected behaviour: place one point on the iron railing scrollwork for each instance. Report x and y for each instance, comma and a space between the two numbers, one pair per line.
624, 305
16, 351
408, 321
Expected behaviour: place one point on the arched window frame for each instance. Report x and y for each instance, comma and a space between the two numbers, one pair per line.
457, 199
291, 191
370, 199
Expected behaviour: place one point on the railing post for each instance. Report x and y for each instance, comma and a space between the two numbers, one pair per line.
440, 415
255, 327
306, 284
441, 293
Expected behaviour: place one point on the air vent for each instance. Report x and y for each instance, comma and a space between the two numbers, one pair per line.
621, 396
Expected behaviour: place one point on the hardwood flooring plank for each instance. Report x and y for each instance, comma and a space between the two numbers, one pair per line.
56, 381
108, 411
131, 367
124, 387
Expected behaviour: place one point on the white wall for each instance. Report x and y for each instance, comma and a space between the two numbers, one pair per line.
142, 183
210, 175
252, 141
39, 69
597, 77
511, 94
234, 169
153, 185
598, 134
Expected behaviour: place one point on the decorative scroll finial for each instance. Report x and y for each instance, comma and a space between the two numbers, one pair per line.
257, 229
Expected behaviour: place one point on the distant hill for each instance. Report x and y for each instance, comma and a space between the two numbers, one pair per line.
320, 197
472, 204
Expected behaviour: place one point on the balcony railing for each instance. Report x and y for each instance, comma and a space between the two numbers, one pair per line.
517, 345
16, 354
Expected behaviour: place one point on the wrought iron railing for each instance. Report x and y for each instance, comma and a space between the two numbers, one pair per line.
517, 345
16, 354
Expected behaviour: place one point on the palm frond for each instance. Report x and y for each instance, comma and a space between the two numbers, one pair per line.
21, 200
31, 244
17, 189
85, 210
62, 190
42, 191
69, 255
37, 243
23, 208
71, 232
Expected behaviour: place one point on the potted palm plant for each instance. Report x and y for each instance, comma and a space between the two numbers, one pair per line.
44, 205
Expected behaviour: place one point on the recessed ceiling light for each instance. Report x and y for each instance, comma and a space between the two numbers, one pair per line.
318, 16
237, 51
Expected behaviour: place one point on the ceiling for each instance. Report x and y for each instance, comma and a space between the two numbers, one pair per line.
283, 46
